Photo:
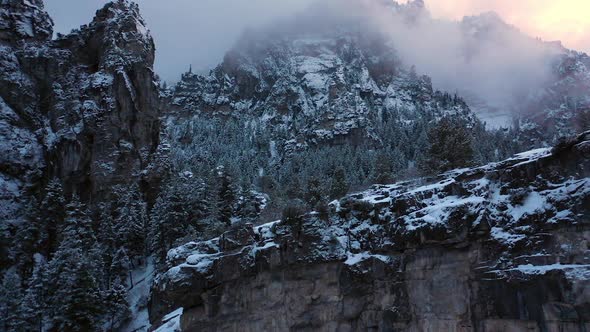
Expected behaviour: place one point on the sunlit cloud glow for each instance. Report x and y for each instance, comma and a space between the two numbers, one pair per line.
565, 20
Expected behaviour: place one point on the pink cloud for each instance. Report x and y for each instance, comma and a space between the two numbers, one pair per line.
565, 20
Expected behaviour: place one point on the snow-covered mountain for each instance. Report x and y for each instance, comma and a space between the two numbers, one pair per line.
332, 80
315, 82
102, 173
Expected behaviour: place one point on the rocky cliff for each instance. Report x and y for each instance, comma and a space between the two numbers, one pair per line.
82, 107
503, 247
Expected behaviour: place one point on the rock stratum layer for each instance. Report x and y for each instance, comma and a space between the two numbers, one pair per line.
502, 247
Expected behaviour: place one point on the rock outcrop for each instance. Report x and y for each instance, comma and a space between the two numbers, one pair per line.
24, 21
82, 107
502, 247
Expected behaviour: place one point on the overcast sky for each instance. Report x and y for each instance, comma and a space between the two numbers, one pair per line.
199, 32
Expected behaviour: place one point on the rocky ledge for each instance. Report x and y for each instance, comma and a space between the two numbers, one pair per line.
502, 247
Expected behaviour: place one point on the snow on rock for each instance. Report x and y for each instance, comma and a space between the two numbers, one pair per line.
518, 218
542, 269
171, 322
354, 259
24, 20
505, 237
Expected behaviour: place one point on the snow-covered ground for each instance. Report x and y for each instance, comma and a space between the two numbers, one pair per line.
171, 322
139, 297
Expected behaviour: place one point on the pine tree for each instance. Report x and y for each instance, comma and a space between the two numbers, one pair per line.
294, 190
226, 196
211, 194
450, 147
76, 303
10, 296
79, 226
340, 185
116, 304
53, 214
247, 209
399, 161
382, 169
121, 268
130, 221
34, 301
29, 238
169, 222
73, 291
195, 190
107, 242
314, 193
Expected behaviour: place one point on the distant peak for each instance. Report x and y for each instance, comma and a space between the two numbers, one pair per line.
490, 18
413, 4
125, 16
417, 3
116, 8
487, 22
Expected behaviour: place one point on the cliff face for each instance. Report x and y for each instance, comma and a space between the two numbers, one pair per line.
83, 107
502, 247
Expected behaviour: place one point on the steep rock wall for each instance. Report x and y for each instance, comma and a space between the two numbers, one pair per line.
82, 107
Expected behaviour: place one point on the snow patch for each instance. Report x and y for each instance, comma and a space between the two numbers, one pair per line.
572, 271
534, 202
354, 259
171, 322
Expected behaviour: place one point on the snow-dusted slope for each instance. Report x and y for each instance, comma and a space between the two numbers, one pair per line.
316, 81
500, 246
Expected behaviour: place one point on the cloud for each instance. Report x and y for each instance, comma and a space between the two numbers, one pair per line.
199, 32
565, 20
480, 56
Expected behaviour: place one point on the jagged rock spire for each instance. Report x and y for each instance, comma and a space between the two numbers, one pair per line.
123, 34
24, 20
